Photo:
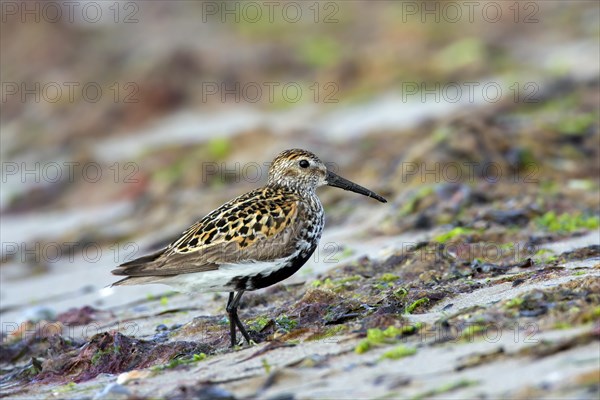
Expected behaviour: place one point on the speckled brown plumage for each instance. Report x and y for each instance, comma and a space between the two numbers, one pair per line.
250, 242
252, 227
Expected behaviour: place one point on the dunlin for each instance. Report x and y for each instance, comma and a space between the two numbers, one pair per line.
251, 242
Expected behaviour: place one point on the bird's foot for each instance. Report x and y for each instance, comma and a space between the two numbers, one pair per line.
242, 343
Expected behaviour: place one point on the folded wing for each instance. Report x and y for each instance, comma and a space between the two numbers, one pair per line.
258, 226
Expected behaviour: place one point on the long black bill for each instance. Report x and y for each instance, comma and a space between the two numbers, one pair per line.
342, 183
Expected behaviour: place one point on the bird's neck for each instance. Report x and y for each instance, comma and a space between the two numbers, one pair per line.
307, 194
293, 186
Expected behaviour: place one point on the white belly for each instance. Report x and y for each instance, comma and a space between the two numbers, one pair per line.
217, 280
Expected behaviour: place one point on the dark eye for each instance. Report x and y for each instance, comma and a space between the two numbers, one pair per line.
304, 164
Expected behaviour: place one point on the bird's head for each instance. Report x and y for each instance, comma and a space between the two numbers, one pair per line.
303, 171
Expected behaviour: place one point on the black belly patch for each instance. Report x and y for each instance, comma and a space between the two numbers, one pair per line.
262, 281
239, 283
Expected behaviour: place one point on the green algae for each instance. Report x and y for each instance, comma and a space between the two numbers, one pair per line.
219, 148
450, 387
266, 366
413, 306
320, 51
567, 222
259, 323
97, 357
398, 352
577, 124
286, 323
377, 337
335, 285
66, 388
453, 234
328, 333
387, 277
412, 204
175, 362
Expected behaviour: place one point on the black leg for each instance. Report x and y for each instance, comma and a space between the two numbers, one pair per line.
238, 322
234, 320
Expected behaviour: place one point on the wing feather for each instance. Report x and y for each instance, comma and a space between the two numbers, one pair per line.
257, 226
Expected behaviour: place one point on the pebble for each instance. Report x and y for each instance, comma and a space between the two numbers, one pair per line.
39, 313
133, 375
113, 391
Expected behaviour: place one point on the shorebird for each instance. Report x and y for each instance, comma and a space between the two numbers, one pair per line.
251, 242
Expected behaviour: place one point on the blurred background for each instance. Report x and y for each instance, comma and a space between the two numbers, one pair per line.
124, 122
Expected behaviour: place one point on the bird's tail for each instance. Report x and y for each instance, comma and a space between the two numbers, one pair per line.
137, 280
131, 270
